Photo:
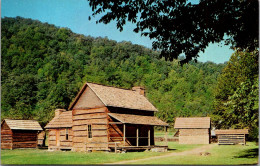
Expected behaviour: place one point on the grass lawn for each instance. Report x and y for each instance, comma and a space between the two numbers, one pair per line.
36, 156
176, 147
219, 155
236, 154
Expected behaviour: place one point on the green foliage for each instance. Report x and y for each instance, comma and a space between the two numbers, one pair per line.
236, 103
43, 68
182, 26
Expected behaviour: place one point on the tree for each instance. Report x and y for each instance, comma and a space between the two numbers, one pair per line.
179, 26
236, 94
242, 107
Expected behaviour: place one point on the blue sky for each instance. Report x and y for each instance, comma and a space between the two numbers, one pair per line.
73, 14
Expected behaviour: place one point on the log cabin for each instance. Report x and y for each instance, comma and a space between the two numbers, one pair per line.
109, 118
231, 136
19, 133
193, 130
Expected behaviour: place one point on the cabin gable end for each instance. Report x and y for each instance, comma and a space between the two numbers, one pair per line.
88, 99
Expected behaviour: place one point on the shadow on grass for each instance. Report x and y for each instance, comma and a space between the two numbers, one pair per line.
169, 149
250, 153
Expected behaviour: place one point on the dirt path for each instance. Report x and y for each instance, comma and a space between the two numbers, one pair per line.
188, 152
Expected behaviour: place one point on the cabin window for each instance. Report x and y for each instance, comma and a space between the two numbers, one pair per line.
89, 131
67, 134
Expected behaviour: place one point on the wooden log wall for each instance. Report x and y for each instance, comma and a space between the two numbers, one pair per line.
24, 139
115, 133
194, 136
231, 139
6, 137
51, 138
97, 118
57, 139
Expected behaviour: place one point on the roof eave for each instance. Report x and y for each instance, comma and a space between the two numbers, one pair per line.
27, 129
133, 108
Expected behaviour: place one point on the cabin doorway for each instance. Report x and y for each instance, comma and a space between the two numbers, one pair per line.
57, 137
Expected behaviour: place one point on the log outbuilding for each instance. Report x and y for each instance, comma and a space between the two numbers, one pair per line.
60, 130
19, 133
231, 136
109, 118
193, 130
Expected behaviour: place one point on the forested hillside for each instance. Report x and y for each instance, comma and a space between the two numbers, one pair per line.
236, 102
43, 68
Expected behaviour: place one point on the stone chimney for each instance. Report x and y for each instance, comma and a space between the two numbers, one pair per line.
139, 89
59, 111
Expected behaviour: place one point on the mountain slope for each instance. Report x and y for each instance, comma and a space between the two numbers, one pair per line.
43, 68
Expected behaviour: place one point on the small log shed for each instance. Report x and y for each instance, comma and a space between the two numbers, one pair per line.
19, 133
193, 130
232, 136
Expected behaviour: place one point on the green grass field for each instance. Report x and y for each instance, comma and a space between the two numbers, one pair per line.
219, 155
36, 156
236, 154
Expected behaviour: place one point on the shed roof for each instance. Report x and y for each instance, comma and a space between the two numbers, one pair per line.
138, 119
118, 97
64, 120
231, 131
192, 123
23, 124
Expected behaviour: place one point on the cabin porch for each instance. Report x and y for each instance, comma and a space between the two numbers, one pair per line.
134, 132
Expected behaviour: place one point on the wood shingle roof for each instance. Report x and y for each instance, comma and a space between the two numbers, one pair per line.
117, 97
23, 124
192, 122
138, 119
232, 131
64, 120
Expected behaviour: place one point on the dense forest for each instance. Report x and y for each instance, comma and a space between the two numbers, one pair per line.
44, 66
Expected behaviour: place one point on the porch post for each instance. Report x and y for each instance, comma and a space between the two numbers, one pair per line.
137, 136
244, 139
165, 137
124, 134
149, 137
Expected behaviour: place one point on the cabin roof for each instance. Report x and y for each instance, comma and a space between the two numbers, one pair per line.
23, 124
232, 131
64, 120
192, 122
138, 119
117, 97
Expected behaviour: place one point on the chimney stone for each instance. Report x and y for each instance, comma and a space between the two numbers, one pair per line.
139, 89
59, 111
